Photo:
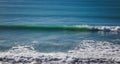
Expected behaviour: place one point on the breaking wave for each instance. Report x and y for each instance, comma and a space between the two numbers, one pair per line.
71, 28
87, 52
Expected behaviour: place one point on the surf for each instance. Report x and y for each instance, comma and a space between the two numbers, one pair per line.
31, 27
62, 28
99, 52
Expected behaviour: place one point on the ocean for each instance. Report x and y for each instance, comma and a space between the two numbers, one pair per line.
59, 32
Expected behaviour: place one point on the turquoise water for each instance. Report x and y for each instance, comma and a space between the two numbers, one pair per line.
53, 26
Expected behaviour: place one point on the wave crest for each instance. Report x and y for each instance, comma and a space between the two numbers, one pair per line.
61, 28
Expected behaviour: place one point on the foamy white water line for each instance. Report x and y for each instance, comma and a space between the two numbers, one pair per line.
102, 28
87, 51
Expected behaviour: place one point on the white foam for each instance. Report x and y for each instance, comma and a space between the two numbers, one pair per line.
97, 49
111, 28
102, 28
87, 49
27, 51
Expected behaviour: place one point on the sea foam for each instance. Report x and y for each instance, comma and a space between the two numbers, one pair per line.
87, 52
102, 28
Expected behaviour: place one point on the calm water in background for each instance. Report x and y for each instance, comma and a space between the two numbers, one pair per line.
60, 12
57, 13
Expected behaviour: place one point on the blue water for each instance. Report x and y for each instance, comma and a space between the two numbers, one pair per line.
57, 13
60, 12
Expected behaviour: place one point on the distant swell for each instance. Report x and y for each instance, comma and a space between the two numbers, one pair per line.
61, 28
